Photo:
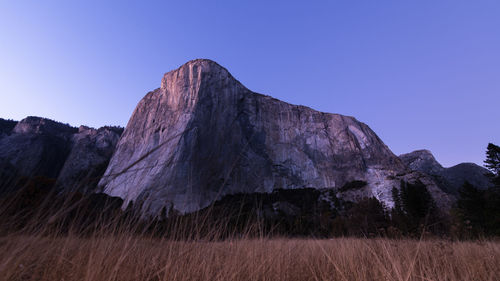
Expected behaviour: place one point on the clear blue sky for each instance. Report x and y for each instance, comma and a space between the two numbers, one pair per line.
421, 74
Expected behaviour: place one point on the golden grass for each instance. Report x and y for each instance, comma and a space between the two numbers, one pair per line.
124, 257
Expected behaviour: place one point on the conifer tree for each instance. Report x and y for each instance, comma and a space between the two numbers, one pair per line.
492, 162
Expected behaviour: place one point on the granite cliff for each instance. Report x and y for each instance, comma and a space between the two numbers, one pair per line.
203, 135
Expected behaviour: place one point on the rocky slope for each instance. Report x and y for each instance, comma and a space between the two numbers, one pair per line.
38, 147
91, 150
448, 179
202, 135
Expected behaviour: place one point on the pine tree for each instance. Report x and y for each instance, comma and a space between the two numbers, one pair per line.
416, 200
492, 162
396, 199
471, 209
492, 195
398, 216
414, 208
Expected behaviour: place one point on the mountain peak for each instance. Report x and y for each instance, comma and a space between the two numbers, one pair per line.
194, 70
422, 152
203, 135
449, 179
202, 61
34, 124
422, 160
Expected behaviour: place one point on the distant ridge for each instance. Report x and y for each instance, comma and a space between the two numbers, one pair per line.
75, 158
449, 179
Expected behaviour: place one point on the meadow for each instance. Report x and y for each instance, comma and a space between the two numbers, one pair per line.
90, 238
129, 257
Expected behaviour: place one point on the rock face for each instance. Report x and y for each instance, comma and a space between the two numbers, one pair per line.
35, 147
202, 135
6, 127
423, 161
448, 179
90, 153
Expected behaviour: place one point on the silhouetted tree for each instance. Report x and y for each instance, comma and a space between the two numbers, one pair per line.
492, 162
366, 218
470, 211
398, 216
492, 195
415, 209
477, 212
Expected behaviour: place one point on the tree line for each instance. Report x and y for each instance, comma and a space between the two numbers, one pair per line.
297, 212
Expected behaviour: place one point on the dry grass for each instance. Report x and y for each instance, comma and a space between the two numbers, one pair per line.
131, 258
119, 248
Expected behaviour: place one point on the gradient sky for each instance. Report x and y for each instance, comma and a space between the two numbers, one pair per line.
421, 74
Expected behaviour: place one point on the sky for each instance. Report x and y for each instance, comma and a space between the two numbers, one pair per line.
422, 74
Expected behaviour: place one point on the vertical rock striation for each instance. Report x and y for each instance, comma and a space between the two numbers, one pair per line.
202, 135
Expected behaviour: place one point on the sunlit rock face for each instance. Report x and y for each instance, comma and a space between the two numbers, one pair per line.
202, 135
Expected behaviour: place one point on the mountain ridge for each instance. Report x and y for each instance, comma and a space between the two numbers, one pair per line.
281, 145
40, 147
203, 135
451, 178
